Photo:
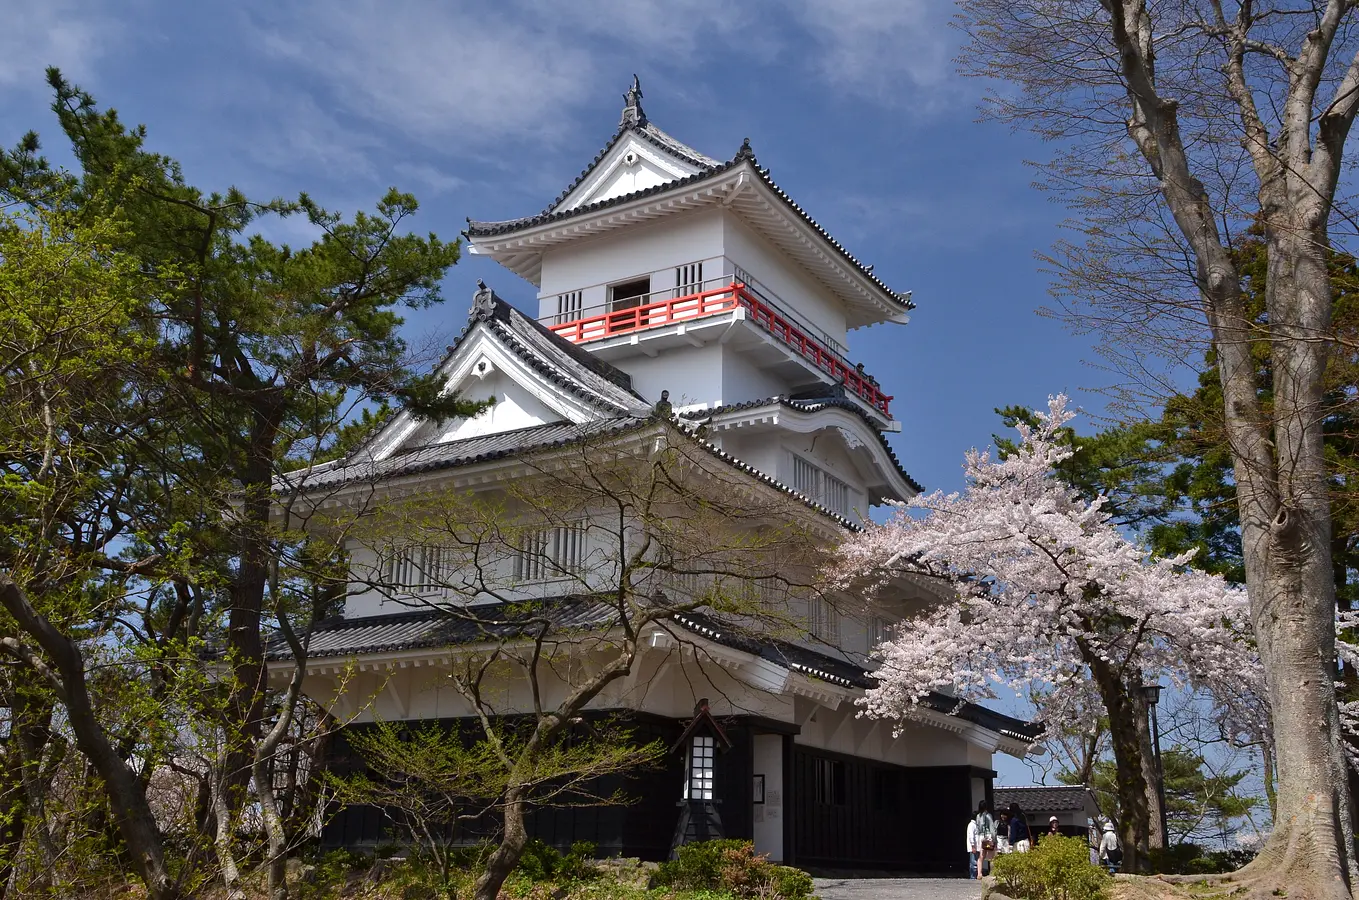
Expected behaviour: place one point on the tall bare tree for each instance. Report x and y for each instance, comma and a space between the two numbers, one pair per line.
1183, 123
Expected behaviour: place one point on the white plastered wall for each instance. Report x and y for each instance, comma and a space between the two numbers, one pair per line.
784, 277
656, 250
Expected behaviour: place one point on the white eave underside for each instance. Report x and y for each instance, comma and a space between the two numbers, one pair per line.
739, 189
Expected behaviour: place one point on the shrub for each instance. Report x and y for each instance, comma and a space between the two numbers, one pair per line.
790, 883
1059, 868
1191, 859
733, 867
543, 862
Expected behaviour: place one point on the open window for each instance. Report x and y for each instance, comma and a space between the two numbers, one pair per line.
627, 294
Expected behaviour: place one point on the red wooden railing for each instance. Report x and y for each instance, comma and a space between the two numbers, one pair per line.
718, 300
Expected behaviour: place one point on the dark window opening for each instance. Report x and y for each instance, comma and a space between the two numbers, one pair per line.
830, 782
629, 293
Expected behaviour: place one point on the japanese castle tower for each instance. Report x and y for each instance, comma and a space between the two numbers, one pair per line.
670, 279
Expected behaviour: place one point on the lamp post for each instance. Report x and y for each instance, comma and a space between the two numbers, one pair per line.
1151, 693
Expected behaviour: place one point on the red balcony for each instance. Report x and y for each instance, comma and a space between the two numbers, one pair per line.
725, 298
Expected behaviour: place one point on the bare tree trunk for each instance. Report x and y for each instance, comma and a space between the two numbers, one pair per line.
262, 768
222, 838
1151, 777
506, 856
1124, 710
1286, 540
136, 823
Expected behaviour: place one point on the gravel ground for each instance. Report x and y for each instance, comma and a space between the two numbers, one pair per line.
898, 889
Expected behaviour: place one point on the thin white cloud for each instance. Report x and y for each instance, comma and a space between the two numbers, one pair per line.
436, 181
471, 74
51, 33
898, 51
438, 72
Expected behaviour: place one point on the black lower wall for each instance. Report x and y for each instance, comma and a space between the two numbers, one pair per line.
868, 815
644, 827
851, 813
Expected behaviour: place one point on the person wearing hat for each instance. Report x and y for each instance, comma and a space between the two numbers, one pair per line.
1110, 853
1052, 826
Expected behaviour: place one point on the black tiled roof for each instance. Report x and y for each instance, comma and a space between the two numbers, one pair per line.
451, 454
432, 627
477, 228
804, 403
1042, 798
556, 358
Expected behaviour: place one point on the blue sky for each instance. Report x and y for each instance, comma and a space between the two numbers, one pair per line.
489, 109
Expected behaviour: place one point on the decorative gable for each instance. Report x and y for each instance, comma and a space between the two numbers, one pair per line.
528, 376
632, 164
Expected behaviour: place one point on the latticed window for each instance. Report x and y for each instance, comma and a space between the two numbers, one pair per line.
688, 278
416, 569
823, 621
702, 753
812, 481
829, 781
568, 307
554, 552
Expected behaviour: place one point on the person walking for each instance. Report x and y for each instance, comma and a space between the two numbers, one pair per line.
1110, 853
986, 838
1053, 827
1021, 839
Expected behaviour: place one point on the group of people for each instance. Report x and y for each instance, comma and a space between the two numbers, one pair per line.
987, 837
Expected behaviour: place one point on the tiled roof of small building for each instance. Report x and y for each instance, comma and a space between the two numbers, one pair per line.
430, 627
812, 403
1043, 798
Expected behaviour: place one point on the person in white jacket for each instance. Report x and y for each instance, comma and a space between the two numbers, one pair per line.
1110, 853
973, 850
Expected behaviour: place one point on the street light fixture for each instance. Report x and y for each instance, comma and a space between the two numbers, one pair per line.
1151, 693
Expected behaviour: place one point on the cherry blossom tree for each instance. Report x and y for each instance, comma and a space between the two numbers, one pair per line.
1053, 597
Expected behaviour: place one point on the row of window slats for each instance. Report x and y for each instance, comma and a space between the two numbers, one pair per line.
551, 553
418, 568
810, 480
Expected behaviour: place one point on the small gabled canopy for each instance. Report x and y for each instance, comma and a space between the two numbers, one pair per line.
800, 412
702, 723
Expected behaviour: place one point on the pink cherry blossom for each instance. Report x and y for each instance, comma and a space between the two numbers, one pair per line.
1041, 573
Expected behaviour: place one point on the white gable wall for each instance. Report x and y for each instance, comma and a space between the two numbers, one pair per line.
514, 408
634, 164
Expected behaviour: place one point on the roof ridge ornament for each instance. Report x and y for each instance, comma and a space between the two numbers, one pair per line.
483, 301
633, 116
745, 152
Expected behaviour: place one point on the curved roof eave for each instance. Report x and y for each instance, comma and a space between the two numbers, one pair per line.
894, 302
